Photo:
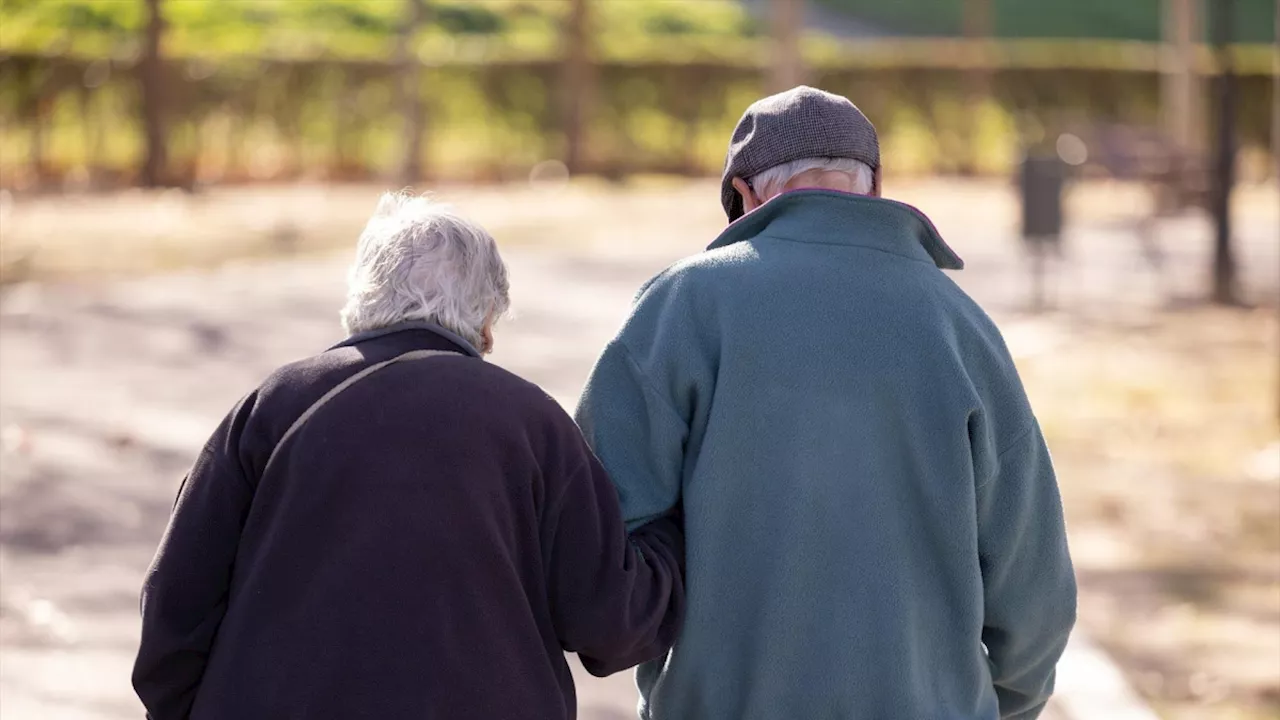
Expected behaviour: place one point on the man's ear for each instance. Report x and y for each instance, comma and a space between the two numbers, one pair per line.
749, 201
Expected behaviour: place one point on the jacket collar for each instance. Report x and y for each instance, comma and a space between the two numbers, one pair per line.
839, 218
464, 346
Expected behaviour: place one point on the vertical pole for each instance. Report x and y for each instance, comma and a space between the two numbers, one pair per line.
152, 85
978, 28
338, 161
40, 105
89, 130
1275, 140
1181, 102
1225, 291
97, 148
787, 69
1275, 97
411, 114
576, 88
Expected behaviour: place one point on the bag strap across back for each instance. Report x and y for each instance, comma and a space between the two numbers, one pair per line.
337, 389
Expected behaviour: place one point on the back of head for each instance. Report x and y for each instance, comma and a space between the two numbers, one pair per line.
843, 174
417, 260
797, 131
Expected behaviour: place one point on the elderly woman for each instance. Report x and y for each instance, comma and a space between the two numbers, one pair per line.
396, 529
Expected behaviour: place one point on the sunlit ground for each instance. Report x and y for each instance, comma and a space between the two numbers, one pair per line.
1161, 413
1165, 440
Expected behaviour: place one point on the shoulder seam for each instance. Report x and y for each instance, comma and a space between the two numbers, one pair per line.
1019, 436
554, 507
648, 384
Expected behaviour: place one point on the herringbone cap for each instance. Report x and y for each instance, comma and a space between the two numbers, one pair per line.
802, 122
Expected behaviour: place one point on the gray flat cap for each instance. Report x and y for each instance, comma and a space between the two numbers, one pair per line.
802, 122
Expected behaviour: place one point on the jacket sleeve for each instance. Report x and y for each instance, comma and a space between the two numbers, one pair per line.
184, 595
616, 600
636, 431
1029, 584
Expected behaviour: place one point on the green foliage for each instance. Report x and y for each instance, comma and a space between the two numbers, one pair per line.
1105, 19
88, 17
354, 17
351, 28
295, 76
674, 30
681, 20
468, 19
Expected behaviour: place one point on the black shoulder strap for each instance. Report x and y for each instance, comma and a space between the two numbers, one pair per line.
412, 355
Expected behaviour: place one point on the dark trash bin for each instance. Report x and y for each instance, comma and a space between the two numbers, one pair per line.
1041, 182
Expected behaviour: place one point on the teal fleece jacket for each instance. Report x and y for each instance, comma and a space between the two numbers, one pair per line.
873, 527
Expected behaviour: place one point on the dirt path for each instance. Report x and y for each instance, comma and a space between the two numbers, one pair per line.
107, 391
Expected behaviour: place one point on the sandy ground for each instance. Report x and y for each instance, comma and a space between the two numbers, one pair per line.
108, 388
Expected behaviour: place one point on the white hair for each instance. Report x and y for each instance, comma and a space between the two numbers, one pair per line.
771, 182
418, 260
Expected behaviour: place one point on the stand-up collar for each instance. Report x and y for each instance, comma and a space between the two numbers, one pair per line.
839, 218
453, 337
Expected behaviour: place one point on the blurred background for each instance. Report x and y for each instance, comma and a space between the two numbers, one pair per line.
181, 182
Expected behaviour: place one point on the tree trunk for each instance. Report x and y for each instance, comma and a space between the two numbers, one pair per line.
978, 28
38, 140
787, 68
1181, 95
411, 92
577, 85
337, 161
1275, 99
978, 23
1225, 290
152, 87
91, 132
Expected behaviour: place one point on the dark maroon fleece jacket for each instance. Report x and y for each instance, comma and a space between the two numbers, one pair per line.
427, 545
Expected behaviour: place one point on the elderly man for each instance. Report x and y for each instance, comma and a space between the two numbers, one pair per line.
396, 529
874, 528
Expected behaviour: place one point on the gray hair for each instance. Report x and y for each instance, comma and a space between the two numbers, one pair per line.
418, 260
771, 182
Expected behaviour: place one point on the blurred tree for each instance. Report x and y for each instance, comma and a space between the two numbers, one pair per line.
1031, 19
1275, 98
978, 19
151, 76
468, 19
411, 113
978, 26
577, 87
1225, 286
787, 64
1181, 90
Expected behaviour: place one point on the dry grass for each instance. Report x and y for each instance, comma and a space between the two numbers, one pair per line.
137, 232
1166, 440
